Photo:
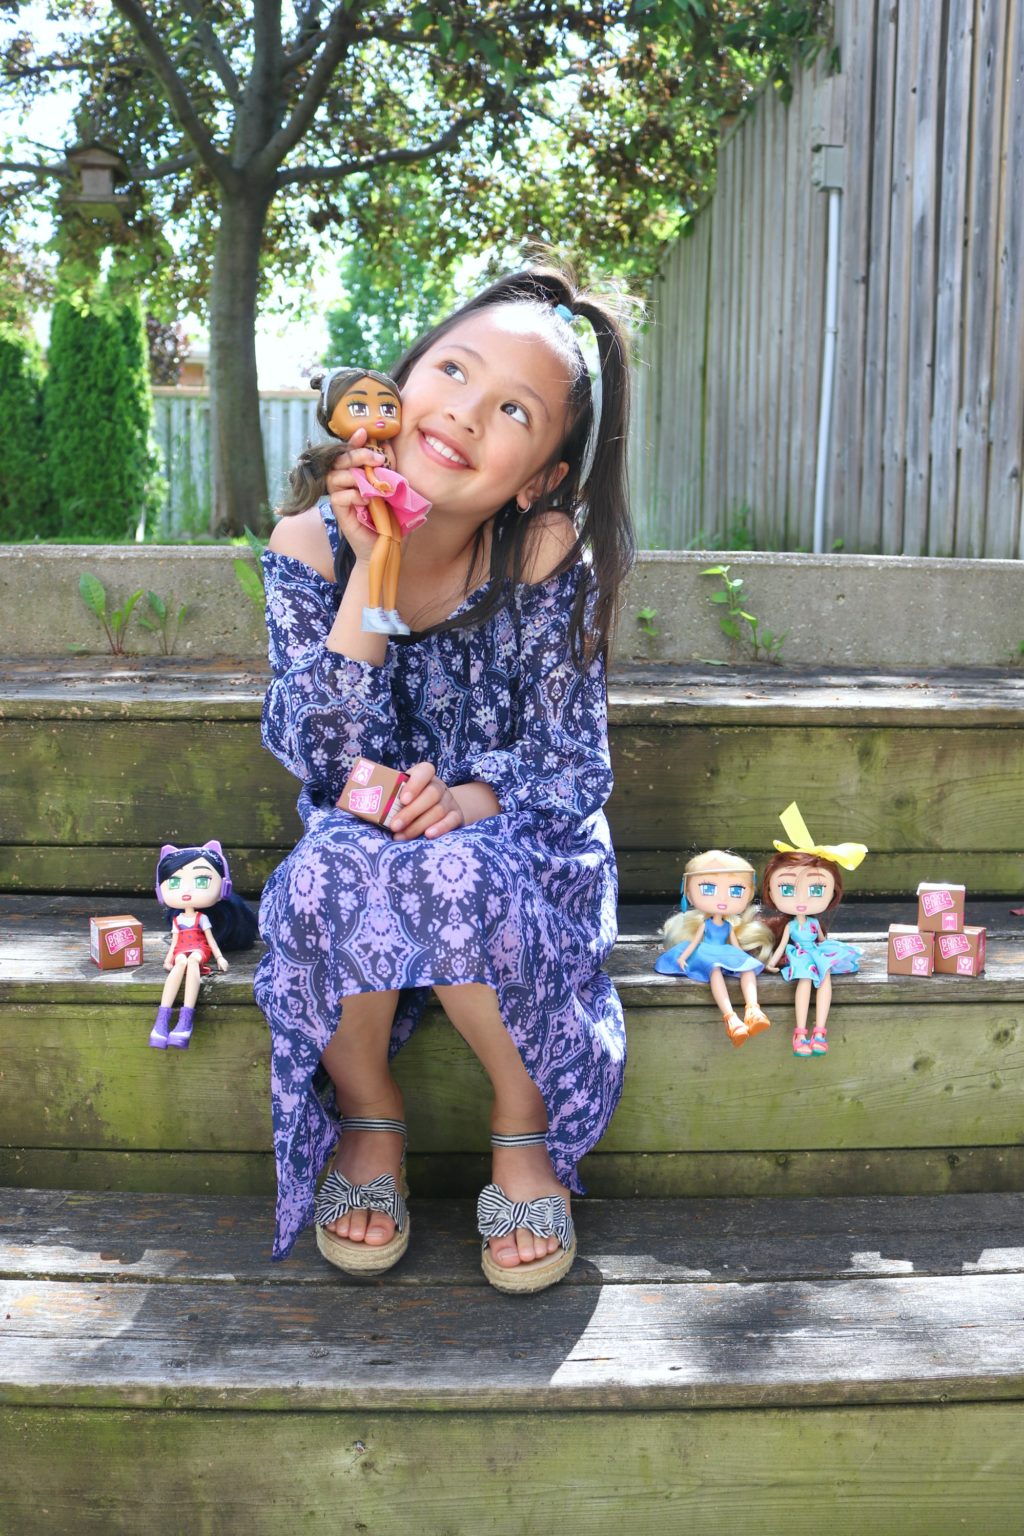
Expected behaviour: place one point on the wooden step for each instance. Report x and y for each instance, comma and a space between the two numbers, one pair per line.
921, 1091
927, 769
794, 1365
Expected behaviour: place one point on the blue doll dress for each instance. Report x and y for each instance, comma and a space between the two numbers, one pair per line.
523, 901
713, 950
810, 956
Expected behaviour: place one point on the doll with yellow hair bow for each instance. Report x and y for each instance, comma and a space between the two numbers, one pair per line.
804, 883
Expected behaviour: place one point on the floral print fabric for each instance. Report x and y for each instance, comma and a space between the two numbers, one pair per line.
523, 901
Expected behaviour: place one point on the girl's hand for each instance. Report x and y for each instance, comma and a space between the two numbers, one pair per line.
428, 807
346, 497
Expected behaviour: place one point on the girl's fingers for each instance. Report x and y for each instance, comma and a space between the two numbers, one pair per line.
431, 824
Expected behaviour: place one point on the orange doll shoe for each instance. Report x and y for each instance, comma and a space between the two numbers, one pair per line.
336, 1196
737, 1031
756, 1020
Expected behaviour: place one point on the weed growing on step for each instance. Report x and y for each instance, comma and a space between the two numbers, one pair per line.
160, 623
250, 579
94, 595
763, 644
645, 618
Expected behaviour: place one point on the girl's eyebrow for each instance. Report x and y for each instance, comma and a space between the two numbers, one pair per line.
517, 389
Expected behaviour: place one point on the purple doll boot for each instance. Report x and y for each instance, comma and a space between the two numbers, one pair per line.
181, 1034
158, 1034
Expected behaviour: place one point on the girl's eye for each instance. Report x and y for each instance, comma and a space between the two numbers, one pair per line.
453, 371
736, 891
516, 412
706, 887
359, 408
817, 890
787, 889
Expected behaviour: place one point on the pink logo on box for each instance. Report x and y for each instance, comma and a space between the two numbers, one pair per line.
362, 773
965, 965
949, 920
907, 944
366, 800
936, 901
118, 939
133, 956
919, 965
953, 944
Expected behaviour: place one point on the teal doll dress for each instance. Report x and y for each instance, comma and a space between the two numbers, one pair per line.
810, 956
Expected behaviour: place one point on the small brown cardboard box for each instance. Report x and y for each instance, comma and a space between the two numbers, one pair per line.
911, 953
960, 954
940, 907
115, 943
371, 791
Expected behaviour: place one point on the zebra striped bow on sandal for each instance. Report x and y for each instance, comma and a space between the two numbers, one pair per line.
545, 1216
337, 1196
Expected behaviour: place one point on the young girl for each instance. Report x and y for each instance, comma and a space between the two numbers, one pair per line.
496, 884
804, 882
712, 933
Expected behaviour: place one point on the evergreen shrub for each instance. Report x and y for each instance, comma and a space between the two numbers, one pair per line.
98, 416
26, 506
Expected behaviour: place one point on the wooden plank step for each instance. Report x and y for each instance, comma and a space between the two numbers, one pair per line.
150, 1353
932, 764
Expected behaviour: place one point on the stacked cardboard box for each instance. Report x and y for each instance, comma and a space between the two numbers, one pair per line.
942, 941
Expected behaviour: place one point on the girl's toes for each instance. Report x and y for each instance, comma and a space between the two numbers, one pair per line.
504, 1251
381, 1230
527, 1245
358, 1222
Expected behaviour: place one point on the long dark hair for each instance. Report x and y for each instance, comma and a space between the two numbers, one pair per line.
594, 492
234, 923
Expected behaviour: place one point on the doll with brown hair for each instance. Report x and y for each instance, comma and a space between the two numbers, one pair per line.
803, 881
712, 934
354, 400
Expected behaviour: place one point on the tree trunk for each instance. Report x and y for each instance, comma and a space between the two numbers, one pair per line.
236, 438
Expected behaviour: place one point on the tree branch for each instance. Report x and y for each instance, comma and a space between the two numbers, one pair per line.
219, 59
337, 38
177, 94
168, 167
308, 175
33, 168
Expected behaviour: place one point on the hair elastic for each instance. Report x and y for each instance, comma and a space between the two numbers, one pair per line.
564, 313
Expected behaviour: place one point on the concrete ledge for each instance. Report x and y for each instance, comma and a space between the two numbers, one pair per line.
839, 610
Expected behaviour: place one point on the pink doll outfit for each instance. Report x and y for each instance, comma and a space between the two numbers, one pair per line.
409, 507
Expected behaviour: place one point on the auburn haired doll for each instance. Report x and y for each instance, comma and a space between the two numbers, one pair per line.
803, 881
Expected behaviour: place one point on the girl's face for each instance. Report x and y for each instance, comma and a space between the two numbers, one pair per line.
192, 887
798, 891
371, 405
720, 895
483, 414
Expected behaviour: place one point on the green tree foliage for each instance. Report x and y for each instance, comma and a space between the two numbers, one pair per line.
25, 501
98, 415
384, 311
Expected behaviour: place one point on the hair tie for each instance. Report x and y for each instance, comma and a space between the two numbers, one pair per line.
565, 313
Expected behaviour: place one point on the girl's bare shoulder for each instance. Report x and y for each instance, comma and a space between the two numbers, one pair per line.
304, 537
553, 537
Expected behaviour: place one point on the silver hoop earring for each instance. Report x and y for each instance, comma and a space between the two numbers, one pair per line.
523, 510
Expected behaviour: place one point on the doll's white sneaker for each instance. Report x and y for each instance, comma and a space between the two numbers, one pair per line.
397, 623
376, 622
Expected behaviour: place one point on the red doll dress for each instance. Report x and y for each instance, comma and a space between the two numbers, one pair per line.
192, 939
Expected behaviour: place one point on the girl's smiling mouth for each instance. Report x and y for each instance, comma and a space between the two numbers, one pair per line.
441, 452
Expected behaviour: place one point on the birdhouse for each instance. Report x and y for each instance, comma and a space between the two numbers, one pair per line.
99, 171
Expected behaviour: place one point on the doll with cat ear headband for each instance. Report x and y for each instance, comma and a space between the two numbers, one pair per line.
803, 881
713, 936
357, 398
193, 884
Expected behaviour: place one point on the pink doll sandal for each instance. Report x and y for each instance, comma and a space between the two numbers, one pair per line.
819, 1042
801, 1045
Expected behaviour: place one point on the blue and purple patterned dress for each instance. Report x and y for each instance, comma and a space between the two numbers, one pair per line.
523, 901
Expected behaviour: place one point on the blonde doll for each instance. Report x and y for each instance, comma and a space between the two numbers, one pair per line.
711, 936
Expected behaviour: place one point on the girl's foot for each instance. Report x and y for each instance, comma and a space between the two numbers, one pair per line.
735, 1028
756, 1020
363, 1156
819, 1041
801, 1044
523, 1173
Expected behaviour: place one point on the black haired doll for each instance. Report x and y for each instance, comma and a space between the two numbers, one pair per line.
194, 886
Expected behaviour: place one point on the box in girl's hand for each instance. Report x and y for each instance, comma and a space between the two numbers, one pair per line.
940, 908
371, 791
960, 954
115, 943
911, 952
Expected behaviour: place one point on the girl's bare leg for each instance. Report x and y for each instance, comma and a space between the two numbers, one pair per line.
356, 1060
524, 1173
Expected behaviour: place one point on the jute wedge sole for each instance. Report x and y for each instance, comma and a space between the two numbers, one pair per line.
361, 1258
526, 1279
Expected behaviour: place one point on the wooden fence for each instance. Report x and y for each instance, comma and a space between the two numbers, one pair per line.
182, 425
927, 436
